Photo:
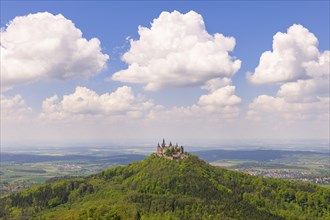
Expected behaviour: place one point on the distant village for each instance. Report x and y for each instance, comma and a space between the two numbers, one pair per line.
170, 152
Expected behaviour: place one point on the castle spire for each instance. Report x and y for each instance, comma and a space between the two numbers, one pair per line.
163, 144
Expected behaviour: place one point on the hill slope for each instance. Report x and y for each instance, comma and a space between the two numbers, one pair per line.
157, 188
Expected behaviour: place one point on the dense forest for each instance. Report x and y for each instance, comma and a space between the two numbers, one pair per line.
158, 188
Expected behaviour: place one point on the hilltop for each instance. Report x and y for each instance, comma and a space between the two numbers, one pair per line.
160, 188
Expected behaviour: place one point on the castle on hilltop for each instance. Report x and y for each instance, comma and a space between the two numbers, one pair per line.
170, 151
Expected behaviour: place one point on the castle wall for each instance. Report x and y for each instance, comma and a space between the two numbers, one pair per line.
176, 152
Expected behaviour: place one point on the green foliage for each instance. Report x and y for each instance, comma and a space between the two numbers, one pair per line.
157, 188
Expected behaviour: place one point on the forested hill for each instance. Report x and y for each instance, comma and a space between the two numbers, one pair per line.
158, 188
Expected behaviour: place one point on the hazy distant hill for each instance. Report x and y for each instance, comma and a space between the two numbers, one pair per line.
257, 155
158, 188
33, 158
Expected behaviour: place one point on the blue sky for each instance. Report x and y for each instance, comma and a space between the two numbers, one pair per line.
253, 25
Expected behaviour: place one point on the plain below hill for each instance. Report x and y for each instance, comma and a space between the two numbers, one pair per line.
159, 188
122, 159
255, 155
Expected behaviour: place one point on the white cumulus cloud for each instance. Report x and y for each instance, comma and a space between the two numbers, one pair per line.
46, 46
14, 109
219, 99
266, 107
303, 72
292, 53
218, 105
177, 51
216, 83
311, 89
86, 103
